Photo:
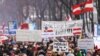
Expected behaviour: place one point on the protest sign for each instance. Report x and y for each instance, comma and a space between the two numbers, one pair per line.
28, 35
86, 43
62, 28
47, 29
12, 27
60, 47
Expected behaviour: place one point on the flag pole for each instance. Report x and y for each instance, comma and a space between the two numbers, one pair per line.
92, 23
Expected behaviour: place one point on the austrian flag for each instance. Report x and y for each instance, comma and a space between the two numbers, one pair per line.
76, 9
77, 30
88, 6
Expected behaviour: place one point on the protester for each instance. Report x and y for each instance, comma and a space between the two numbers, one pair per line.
78, 52
13, 48
88, 54
97, 52
55, 54
49, 51
41, 51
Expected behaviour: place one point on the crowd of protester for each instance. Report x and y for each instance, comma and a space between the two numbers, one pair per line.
13, 48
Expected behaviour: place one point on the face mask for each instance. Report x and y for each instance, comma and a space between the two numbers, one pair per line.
14, 48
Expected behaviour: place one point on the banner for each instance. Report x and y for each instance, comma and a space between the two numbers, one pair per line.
86, 43
60, 47
12, 27
47, 29
61, 28
28, 35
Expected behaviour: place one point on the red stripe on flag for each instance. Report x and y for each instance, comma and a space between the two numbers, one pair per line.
76, 9
48, 30
76, 29
88, 6
77, 33
68, 18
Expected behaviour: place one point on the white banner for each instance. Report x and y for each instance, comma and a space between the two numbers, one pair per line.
12, 27
61, 28
60, 47
28, 35
86, 43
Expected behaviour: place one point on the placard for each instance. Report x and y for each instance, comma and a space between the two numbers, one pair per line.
60, 47
28, 35
12, 27
62, 28
86, 43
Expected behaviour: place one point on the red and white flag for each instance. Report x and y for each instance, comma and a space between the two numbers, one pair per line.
24, 26
77, 31
88, 6
76, 9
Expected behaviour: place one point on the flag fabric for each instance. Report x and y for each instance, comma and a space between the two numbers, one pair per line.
77, 31
88, 7
28, 24
12, 27
68, 18
24, 26
89, 0
76, 9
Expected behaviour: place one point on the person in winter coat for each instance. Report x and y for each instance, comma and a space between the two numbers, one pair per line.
78, 52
